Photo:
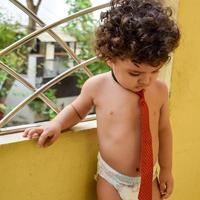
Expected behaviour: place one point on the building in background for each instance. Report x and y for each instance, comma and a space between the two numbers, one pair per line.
45, 62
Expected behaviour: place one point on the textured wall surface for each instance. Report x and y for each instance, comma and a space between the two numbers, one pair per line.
185, 104
64, 171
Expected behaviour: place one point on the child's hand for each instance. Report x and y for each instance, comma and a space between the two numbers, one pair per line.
47, 134
166, 183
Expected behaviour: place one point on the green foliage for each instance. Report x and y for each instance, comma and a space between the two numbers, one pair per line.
10, 32
3, 76
83, 28
2, 107
96, 68
41, 108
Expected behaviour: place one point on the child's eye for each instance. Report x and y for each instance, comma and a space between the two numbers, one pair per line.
134, 74
156, 71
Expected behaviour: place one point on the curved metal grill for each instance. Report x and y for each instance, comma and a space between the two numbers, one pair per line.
39, 92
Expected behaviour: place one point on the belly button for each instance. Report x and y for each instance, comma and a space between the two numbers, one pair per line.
137, 169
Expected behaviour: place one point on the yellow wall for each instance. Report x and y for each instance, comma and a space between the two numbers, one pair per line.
185, 104
63, 171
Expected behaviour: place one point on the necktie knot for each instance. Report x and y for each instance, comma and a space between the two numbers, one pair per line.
140, 94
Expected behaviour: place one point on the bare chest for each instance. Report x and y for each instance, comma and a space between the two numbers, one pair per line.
113, 108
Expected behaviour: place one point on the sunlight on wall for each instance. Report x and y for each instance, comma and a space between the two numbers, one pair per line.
185, 104
166, 71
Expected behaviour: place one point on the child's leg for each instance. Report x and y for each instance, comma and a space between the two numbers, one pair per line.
156, 191
105, 191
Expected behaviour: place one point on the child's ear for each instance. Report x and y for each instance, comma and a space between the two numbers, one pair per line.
110, 63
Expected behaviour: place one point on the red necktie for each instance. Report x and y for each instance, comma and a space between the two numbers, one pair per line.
146, 160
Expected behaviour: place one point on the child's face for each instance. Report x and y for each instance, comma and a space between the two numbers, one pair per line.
132, 76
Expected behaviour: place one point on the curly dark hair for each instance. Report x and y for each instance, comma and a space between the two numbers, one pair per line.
141, 30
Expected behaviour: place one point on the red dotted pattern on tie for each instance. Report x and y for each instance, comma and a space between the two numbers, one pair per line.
146, 160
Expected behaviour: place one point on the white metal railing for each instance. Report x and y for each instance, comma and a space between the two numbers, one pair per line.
39, 92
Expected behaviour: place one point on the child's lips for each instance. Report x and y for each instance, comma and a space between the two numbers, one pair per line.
141, 86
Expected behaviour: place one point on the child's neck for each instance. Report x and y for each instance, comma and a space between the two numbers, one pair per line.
114, 77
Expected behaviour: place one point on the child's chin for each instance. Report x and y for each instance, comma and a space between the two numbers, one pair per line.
137, 89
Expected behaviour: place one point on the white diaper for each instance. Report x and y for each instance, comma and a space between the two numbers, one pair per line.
128, 187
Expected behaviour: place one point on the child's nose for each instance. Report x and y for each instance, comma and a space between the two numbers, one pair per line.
145, 80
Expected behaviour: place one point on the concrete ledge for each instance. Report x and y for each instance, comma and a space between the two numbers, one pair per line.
17, 137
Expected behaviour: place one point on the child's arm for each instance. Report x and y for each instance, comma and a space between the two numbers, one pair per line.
165, 147
78, 109
68, 117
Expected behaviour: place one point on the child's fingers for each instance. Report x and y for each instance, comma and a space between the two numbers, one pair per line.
25, 133
168, 191
43, 139
169, 188
166, 195
35, 135
162, 187
50, 140
34, 131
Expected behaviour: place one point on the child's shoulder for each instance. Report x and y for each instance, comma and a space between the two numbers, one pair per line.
95, 80
95, 83
161, 90
161, 86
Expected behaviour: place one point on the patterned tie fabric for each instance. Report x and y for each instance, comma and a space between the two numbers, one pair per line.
146, 156
146, 160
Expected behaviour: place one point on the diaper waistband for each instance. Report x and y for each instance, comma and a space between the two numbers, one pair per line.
124, 179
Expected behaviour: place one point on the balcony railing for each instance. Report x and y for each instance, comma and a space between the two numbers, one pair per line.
40, 91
